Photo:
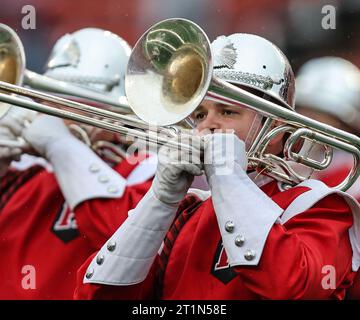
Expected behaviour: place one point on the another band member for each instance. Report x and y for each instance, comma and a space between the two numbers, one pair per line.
51, 221
328, 90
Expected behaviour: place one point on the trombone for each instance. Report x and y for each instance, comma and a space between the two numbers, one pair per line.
171, 66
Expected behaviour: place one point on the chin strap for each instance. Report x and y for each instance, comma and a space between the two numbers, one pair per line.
253, 131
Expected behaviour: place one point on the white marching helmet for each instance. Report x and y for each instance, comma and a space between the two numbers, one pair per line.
254, 62
93, 59
330, 85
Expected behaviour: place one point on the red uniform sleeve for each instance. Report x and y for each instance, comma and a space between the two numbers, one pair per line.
98, 219
89, 291
300, 256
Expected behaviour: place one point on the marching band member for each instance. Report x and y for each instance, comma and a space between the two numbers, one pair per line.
328, 90
52, 221
248, 238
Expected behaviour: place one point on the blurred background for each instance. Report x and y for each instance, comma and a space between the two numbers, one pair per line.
294, 25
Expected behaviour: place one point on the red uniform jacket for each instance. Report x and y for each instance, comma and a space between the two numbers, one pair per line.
294, 263
332, 178
43, 243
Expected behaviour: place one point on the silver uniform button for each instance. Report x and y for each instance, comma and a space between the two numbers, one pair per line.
229, 226
100, 259
94, 168
103, 179
239, 240
112, 189
249, 255
89, 273
111, 246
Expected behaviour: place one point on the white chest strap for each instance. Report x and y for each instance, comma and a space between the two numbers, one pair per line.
318, 190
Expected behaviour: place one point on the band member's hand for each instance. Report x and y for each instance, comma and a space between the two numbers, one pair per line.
223, 153
45, 133
175, 172
16, 119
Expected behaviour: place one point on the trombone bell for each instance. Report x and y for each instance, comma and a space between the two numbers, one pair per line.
169, 72
12, 60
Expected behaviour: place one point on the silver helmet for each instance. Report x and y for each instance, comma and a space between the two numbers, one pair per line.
330, 85
91, 58
254, 62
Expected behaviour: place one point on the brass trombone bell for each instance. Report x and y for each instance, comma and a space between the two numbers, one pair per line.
171, 66
12, 60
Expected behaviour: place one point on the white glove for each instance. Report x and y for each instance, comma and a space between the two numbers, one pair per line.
176, 170
16, 119
45, 132
223, 153
7, 154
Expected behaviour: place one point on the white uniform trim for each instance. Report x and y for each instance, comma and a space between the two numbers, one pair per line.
318, 190
202, 194
135, 244
26, 161
82, 175
245, 216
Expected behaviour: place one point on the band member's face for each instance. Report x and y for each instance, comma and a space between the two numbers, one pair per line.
215, 116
